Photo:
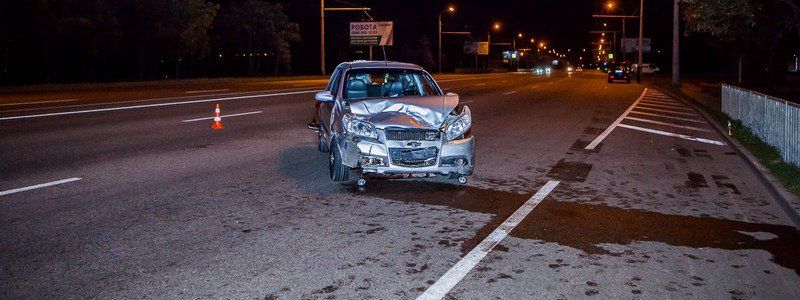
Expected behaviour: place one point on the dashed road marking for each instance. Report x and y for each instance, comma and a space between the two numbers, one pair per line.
148, 100
480, 84
208, 91
38, 102
677, 135
608, 130
38, 186
509, 93
153, 105
441, 287
223, 116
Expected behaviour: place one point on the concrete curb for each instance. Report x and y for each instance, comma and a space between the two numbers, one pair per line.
775, 187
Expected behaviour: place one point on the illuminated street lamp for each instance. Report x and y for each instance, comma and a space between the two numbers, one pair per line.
495, 27
450, 9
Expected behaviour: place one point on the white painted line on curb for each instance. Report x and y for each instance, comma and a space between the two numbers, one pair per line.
207, 91
677, 135
667, 117
441, 287
154, 105
667, 124
223, 116
667, 111
509, 93
38, 186
38, 102
608, 130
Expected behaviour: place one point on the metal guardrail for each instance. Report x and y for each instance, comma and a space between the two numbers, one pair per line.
776, 121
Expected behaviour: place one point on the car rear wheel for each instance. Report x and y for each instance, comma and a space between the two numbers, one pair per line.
339, 172
321, 145
610, 81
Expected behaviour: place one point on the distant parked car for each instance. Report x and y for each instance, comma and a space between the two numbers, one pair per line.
619, 71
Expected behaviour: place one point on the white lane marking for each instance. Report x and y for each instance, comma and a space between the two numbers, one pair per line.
608, 130
208, 91
146, 100
38, 186
666, 111
480, 84
465, 102
662, 104
223, 116
441, 287
667, 124
153, 105
677, 135
509, 93
38, 102
667, 117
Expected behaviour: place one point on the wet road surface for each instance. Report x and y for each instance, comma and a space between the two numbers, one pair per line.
658, 207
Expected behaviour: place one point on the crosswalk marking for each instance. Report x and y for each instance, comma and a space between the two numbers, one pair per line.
667, 124
666, 111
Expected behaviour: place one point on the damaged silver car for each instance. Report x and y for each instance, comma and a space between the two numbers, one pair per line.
390, 119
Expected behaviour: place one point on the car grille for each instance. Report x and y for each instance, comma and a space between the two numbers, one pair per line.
412, 135
413, 157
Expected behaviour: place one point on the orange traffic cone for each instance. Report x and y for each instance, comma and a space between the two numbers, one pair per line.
217, 124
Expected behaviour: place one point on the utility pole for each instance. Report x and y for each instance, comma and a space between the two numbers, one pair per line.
641, 34
676, 54
440, 43
322, 10
322, 36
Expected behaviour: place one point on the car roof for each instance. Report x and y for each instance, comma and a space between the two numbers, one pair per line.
364, 64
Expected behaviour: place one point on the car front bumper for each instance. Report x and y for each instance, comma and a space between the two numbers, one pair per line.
452, 157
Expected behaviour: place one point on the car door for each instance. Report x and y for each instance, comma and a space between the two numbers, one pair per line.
326, 108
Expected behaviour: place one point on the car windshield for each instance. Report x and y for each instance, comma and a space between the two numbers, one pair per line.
388, 83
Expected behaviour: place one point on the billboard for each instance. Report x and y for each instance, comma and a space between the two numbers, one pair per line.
631, 45
479, 48
371, 33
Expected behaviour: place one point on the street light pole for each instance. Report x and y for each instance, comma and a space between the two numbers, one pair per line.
676, 55
641, 34
440, 42
322, 36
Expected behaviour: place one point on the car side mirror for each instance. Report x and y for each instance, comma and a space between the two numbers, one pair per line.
324, 96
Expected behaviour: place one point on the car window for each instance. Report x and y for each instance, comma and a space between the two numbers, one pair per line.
333, 84
388, 83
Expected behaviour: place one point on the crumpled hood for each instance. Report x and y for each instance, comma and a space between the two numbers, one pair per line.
428, 112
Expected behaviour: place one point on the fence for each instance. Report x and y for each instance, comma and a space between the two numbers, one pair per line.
775, 121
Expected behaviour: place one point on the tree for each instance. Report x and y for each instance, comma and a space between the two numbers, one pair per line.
166, 29
742, 26
258, 29
730, 24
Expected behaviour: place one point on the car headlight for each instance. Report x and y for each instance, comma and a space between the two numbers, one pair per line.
359, 127
459, 126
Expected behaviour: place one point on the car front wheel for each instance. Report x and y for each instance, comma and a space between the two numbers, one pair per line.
339, 172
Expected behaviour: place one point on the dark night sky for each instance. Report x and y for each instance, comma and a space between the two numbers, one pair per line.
561, 23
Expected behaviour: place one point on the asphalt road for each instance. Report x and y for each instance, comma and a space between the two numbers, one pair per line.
656, 207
